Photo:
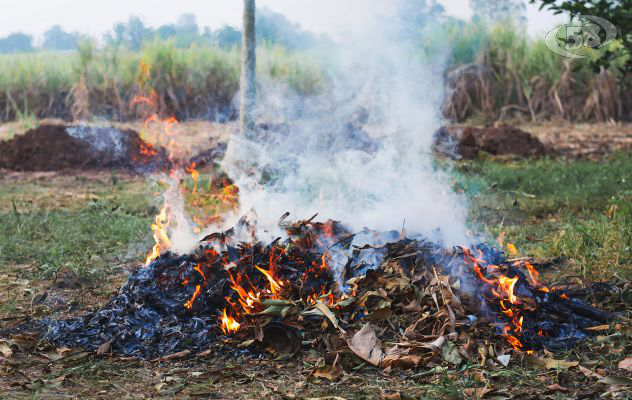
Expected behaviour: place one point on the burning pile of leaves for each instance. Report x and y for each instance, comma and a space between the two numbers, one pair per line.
394, 303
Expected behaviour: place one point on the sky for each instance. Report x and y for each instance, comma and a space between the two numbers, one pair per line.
96, 17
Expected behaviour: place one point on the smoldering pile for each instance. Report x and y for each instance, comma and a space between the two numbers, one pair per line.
52, 147
393, 302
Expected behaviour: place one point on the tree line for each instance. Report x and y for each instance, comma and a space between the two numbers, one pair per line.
272, 27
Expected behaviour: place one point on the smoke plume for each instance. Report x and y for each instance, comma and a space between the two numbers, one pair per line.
359, 151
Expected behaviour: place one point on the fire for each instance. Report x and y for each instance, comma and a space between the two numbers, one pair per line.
228, 323
189, 303
161, 239
533, 274
275, 285
248, 300
194, 175
507, 285
502, 287
515, 343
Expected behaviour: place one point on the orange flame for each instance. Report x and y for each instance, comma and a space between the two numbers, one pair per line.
533, 273
229, 324
507, 284
515, 343
161, 239
194, 175
275, 285
189, 303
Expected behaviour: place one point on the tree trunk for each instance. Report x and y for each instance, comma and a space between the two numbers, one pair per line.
248, 63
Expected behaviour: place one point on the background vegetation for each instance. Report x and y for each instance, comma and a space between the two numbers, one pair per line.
496, 72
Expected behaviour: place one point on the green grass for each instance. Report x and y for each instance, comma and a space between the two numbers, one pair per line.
88, 234
579, 210
517, 76
195, 82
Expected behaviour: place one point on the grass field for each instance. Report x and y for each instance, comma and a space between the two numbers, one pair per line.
493, 72
97, 225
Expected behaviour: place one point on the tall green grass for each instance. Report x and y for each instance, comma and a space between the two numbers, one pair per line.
493, 73
500, 72
195, 82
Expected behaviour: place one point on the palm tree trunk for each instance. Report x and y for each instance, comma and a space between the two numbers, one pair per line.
248, 63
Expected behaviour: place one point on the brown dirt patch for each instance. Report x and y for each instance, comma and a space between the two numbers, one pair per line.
57, 147
591, 141
501, 140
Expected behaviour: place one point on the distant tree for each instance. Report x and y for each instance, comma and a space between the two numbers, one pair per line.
136, 33
187, 24
187, 31
499, 10
227, 37
57, 39
16, 42
276, 28
166, 31
416, 15
115, 38
619, 13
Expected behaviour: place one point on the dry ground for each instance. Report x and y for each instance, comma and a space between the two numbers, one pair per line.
69, 240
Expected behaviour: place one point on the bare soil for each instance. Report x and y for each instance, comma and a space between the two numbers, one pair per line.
59, 147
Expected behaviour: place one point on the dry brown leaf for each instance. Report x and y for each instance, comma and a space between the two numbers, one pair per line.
366, 345
5, 350
380, 314
589, 373
174, 356
404, 361
392, 396
104, 348
322, 307
558, 387
626, 364
412, 307
329, 372
551, 363
477, 393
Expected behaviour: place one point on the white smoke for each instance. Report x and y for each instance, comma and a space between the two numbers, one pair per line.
359, 152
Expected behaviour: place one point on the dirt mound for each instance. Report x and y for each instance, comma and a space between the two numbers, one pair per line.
59, 147
499, 140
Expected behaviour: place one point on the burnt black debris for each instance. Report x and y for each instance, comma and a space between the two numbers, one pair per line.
176, 303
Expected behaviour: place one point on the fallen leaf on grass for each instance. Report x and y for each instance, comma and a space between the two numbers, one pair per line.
104, 348
558, 388
450, 353
392, 396
401, 359
5, 350
626, 364
550, 363
329, 372
477, 393
174, 356
616, 380
366, 345
589, 373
